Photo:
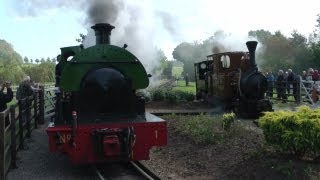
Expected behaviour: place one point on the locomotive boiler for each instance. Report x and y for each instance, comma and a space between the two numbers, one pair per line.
232, 80
98, 115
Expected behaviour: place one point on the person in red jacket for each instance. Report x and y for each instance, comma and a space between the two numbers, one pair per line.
315, 76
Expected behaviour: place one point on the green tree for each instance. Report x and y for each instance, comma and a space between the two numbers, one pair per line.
26, 60
42, 60
166, 68
37, 61
54, 60
7, 53
10, 62
81, 38
185, 53
301, 52
314, 40
278, 50
261, 35
189, 53
162, 68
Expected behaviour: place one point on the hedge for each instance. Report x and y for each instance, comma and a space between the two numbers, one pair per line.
293, 132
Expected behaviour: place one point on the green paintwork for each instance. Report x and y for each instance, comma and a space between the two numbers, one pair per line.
101, 56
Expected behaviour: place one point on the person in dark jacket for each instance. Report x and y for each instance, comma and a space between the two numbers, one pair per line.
186, 78
24, 90
58, 71
281, 86
5, 97
291, 83
270, 80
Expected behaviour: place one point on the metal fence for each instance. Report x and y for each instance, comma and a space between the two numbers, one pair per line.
17, 123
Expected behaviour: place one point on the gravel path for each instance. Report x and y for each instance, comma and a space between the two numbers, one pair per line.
37, 163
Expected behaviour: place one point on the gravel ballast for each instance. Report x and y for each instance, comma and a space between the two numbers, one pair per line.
36, 162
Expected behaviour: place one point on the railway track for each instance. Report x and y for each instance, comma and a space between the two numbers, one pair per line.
132, 170
167, 84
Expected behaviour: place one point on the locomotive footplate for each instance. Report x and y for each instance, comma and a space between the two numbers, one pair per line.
113, 142
109, 141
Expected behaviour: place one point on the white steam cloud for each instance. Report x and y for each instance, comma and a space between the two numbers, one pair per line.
136, 24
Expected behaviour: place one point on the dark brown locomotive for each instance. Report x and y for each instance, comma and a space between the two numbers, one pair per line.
232, 79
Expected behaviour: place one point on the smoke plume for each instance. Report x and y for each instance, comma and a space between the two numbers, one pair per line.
135, 22
104, 11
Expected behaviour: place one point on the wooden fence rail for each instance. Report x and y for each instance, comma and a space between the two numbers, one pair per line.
300, 91
17, 123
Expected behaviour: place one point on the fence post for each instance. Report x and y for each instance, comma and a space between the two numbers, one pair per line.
28, 114
13, 136
35, 109
20, 104
41, 104
2, 146
298, 86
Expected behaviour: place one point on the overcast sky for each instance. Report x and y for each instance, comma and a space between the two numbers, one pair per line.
42, 34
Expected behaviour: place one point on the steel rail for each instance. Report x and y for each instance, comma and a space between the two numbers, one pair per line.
98, 173
144, 171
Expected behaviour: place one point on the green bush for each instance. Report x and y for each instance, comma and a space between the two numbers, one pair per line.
199, 128
171, 96
158, 95
227, 121
297, 133
184, 95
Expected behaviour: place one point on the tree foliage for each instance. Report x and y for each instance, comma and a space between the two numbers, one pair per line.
189, 53
164, 69
276, 51
281, 52
7, 53
13, 68
81, 38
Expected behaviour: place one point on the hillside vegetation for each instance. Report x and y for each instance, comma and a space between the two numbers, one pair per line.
13, 67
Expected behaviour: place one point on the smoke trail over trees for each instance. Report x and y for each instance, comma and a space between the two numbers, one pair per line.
135, 22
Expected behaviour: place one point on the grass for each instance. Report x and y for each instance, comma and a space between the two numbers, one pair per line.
205, 129
14, 101
177, 71
181, 86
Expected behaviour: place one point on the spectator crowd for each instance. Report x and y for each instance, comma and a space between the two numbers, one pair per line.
25, 89
286, 83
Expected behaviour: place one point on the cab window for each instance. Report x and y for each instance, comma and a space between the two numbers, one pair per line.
225, 61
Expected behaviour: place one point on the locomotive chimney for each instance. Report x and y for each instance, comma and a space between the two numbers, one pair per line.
102, 32
252, 45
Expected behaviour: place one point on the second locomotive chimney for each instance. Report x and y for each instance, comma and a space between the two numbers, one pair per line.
252, 45
102, 32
